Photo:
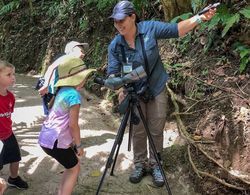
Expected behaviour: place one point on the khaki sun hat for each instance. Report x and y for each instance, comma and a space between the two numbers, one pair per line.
72, 72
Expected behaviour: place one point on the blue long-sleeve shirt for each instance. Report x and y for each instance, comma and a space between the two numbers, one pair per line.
151, 31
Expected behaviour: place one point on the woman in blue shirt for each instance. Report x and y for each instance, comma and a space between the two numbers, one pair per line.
126, 49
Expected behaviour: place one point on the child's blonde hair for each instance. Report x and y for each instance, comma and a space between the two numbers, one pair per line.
4, 64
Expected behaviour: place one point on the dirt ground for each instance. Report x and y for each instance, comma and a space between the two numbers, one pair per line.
98, 131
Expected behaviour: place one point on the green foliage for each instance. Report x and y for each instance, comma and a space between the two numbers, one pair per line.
181, 17
244, 52
198, 4
184, 43
141, 6
198, 90
83, 24
227, 19
229, 22
10, 7
31, 7
97, 54
174, 67
60, 9
177, 77
246, 12
106, 5
111, 95
213, 22
101, 4
204, 72
177, 66
54, 9
223, 16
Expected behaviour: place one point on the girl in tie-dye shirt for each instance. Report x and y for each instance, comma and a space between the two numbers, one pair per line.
60, 134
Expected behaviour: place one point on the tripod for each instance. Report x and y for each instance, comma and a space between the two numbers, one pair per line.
132, 101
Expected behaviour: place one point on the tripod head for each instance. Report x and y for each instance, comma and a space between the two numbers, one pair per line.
130, 99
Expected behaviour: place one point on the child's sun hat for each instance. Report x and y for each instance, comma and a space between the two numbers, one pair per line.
72, 72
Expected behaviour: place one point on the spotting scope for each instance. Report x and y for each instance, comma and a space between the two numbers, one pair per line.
115, 83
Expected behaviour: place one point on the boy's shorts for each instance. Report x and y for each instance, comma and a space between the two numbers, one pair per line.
11, 152
66, 157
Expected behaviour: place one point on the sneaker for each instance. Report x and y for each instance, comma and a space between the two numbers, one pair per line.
138, 173
157, 176
18, 183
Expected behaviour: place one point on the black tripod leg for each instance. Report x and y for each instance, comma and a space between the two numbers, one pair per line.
151, 142
130, 127
118, 141
130, 134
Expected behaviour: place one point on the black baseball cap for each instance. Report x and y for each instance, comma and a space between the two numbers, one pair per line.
122, 9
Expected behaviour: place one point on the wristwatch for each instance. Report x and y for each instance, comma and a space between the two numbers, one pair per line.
79, 146
198, 19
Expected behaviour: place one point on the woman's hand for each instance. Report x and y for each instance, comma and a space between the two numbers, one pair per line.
122, 93
121, 96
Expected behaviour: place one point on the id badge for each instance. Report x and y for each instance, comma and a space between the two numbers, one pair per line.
127, 67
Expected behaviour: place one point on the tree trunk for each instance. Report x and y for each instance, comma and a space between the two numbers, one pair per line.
31, 7
173, 8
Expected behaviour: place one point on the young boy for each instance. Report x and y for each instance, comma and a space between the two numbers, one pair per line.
11, 152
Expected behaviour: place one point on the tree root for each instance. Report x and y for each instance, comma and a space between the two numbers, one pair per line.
221, 166
198, 172
186, 136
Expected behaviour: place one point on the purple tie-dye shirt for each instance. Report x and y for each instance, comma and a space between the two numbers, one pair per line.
56, 125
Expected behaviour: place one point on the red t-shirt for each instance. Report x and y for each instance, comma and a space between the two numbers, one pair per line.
7, 104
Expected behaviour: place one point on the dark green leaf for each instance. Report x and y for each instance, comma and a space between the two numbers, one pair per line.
246, 12
230, 22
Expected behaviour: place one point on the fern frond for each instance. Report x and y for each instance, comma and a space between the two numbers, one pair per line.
8, 8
